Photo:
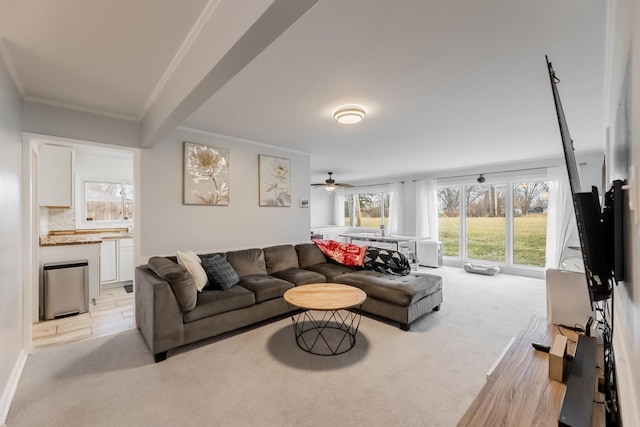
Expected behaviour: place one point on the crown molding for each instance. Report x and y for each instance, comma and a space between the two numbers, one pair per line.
235, 138
8, 60
81, 108
182, 51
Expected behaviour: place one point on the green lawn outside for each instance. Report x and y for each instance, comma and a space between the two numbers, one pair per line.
486, 238
370, 222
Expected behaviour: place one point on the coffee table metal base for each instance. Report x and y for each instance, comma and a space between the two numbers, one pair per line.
326, 333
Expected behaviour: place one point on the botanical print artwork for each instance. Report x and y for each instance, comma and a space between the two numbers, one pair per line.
275, 181
206, 175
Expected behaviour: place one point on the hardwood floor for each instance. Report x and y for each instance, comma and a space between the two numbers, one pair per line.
113, 312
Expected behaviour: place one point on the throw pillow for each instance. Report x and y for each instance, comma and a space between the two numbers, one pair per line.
219, 272
191, 261
386, 261
180, 280
344, 253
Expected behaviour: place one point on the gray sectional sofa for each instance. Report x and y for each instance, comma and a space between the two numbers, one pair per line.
170, 312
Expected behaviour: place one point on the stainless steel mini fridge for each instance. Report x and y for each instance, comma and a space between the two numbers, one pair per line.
66, 288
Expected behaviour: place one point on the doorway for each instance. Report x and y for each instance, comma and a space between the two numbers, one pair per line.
111, 308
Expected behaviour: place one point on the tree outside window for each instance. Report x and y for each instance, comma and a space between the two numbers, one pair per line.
369, 210
108, 201
484, 222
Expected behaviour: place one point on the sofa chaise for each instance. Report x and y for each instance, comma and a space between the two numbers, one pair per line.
170, 312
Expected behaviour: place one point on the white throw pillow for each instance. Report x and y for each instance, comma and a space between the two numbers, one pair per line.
192, 262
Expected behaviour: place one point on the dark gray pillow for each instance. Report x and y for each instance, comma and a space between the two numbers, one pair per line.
219, 272
180, 280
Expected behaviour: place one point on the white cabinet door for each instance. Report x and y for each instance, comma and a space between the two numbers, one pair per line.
108, 261
125, 260
55, 176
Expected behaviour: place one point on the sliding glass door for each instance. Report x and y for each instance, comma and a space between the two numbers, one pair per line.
449, 220
503, 222
530, 199
485, 237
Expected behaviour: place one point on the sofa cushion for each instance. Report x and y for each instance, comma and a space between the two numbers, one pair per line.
298, 276
331, 270
214, 301
282, 257
400, 290
181, 281
309, 254
265, 287
247, 262
219, 272
191, 262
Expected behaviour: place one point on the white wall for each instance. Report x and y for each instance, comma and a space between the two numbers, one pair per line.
166, 225
11, 317
100, 164
624, 122
321, 207
52, 120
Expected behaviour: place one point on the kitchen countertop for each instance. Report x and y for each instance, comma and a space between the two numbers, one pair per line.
83, 237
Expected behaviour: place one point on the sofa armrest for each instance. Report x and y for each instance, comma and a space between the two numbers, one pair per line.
158, 314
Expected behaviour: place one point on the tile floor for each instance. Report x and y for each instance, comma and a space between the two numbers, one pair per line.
113, 312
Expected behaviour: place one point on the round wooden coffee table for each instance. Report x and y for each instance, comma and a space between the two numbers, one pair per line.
326, 326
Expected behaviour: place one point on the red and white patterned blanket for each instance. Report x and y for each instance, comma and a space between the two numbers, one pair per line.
344, 253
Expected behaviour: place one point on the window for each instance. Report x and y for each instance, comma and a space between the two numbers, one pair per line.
485, 222
369, 210
530, 222
107, 202
449, 220
479, 227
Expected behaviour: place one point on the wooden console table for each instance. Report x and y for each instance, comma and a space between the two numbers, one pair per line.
518, 392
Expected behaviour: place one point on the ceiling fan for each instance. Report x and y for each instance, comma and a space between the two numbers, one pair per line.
331, 184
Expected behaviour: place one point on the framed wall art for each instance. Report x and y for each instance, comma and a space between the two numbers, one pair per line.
206, 175
275, 181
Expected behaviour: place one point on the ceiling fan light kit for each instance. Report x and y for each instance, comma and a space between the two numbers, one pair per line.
331, 184
349, 114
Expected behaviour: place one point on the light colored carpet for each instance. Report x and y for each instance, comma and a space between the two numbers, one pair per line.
425, 377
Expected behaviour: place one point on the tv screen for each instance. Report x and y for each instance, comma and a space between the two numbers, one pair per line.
595, 238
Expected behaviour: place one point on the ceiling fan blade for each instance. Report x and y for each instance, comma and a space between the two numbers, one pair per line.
331, 183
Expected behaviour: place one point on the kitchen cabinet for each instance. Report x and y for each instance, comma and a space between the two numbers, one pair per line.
116, 260
62, 253
108, 261
125, 260
55, 176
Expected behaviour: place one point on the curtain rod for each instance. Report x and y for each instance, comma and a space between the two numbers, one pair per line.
493, 173
542, 168
383, 183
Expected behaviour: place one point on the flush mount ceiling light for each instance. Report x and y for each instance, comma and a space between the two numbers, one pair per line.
349, 114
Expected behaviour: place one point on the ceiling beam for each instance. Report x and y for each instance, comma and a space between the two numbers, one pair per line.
234, 35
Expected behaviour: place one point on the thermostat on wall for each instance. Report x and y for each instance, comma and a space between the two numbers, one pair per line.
304, 203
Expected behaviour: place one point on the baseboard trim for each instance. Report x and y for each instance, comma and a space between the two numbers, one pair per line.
12, 386
628, 395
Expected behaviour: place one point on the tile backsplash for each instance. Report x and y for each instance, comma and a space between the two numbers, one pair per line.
61, 219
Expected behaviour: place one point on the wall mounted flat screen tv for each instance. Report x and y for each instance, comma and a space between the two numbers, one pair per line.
600, 230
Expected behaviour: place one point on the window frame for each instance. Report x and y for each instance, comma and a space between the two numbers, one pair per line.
508, 180
107, 223
350, 202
